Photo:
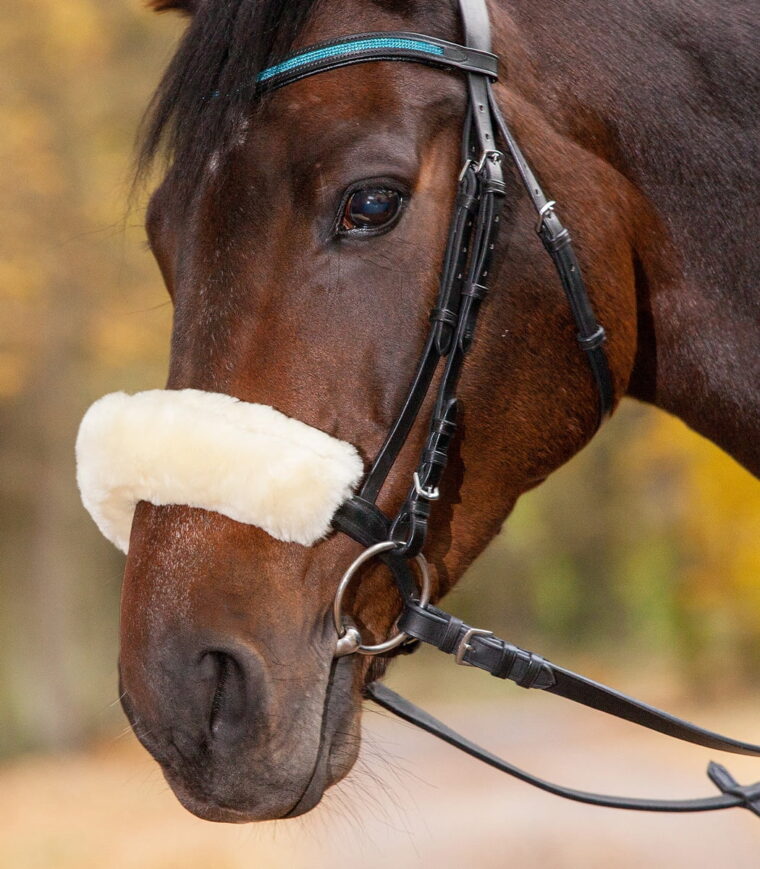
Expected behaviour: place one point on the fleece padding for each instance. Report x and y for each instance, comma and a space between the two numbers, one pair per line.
247, 461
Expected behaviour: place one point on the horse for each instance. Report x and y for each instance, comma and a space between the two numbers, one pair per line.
300, 235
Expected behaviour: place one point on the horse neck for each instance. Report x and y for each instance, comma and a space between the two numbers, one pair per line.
666, 97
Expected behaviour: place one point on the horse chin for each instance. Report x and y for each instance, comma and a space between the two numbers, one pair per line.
333, 763
255, 787
209, 810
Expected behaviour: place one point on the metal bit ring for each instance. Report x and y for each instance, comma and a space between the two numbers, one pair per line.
349, 638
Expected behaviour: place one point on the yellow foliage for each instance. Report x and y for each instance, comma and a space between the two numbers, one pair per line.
20, 279
12, 374
28, 152
74, 31
123, 339
718, 519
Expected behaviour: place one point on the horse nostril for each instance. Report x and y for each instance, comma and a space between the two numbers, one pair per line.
227, 707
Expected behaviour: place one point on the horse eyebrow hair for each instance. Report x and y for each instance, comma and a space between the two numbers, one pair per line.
184, 7
225, 46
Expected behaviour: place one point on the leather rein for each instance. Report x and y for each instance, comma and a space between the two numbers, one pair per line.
486, 143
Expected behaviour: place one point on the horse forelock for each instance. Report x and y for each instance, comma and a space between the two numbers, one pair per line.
197, 105
208, 89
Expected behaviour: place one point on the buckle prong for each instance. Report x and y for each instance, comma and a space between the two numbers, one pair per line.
544, 212
494, 156
429, 494
464, 645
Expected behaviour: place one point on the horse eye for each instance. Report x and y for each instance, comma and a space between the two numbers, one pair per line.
370, 208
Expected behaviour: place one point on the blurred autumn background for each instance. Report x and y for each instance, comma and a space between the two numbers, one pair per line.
644, 551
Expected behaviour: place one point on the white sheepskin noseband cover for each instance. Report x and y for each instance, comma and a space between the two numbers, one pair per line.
247, 461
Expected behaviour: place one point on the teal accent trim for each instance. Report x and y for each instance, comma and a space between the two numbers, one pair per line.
347, 48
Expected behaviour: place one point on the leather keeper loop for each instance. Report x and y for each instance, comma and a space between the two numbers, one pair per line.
443, 315
534, 669
432, 456
444, 427
503, 669
475, 291
418, 508
593, 342
450, 639
555, 243
493, 185
466, 201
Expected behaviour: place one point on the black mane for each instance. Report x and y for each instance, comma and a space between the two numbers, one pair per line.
210, 79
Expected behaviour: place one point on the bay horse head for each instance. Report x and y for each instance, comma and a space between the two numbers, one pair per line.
300, 233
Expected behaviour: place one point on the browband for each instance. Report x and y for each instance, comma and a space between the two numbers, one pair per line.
365, 47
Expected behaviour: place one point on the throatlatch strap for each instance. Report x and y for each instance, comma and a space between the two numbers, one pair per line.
558, 244
733, 795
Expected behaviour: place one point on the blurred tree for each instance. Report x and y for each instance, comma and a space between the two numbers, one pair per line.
717, 529
74, 285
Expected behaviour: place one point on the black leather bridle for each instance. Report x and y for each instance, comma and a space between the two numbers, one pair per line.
464, 280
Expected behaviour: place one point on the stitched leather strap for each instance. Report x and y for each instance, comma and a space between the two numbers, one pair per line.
724, 781
476, 24
385, 45
439, 339
486, 652
367, 524
464, 277
558, 244
733, 795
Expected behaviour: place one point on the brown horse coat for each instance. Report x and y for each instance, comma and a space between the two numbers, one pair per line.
640, 118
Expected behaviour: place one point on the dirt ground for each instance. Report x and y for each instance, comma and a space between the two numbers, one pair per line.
412, 802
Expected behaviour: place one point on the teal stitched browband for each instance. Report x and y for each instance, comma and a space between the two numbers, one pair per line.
349, 48
377, 46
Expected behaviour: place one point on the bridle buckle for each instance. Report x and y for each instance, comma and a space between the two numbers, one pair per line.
545, 211
429, 494
464, 645
493, 155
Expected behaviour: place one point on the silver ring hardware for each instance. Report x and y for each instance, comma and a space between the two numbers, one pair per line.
349, 638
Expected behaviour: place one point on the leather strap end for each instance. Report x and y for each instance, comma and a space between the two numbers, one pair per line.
727, 784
